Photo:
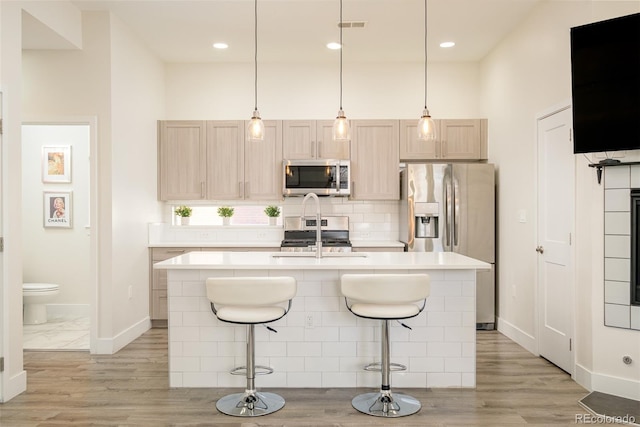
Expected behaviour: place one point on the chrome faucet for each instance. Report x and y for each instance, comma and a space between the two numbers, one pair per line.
318, 221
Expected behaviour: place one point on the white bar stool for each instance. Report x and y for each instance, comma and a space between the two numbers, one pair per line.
385, 297
250, 301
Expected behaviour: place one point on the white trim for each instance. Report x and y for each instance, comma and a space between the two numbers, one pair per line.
583, 376
115, 344
621, 387
14, 386
528, 342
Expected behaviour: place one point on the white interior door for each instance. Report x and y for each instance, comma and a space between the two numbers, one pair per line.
556, 171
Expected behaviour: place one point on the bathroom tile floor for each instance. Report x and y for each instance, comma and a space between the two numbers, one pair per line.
57, 334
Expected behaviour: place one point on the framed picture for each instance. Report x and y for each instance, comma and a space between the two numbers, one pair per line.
57, 209
56, 164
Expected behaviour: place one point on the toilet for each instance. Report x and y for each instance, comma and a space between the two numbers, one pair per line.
35, 296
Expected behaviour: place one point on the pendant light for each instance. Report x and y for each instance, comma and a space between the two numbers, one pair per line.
255, 129
426, 125
341, 130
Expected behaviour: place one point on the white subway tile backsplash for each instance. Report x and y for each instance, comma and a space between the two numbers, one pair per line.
635, 317
618, 177
635, 176
617, 246
617, 269
616, 292
444, 349
338, 379
617, 315
617, 223
617, 200
459, 364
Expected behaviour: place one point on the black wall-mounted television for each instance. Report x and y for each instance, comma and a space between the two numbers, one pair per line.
605, 83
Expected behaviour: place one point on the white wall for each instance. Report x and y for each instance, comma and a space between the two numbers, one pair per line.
311, 91
137, 81
528, 73
56, 255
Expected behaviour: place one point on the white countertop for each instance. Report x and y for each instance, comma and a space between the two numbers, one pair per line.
268, 244
371, 261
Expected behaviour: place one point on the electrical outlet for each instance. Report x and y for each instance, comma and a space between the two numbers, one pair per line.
513, 291
130, 291
204, 235
365, 235
309, 321
261, 235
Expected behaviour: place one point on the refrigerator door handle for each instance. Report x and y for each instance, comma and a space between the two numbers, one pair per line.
447, 200
456, 211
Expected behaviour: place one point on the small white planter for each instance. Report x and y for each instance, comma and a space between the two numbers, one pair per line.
184, 220
226, 220
273, 220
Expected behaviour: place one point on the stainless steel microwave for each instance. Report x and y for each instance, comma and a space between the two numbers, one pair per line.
324, 177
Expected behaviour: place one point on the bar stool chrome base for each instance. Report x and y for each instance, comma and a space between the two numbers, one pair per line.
386, 404
250, 404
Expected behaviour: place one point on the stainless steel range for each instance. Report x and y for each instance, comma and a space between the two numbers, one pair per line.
300, 236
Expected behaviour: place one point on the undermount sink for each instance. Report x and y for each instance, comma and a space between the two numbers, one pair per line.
324, 255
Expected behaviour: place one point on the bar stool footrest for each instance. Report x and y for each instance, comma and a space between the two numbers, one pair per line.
259, 370
393, 367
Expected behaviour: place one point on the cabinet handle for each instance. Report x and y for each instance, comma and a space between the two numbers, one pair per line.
241, 189
202, 189
353, 188
319, 149
313, 149
246, 190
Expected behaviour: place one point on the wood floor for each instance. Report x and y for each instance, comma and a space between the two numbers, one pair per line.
130, 388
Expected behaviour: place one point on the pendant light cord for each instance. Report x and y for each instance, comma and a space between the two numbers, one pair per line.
341, 48
425, 54
255, 54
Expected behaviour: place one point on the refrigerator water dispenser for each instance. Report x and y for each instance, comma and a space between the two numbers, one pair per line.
426, 226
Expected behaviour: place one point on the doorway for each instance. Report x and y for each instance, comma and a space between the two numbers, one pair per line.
56, 167
556, 223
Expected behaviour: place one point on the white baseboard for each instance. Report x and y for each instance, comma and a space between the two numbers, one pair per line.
15, 386
518, 336
620, 387
67, 311
583, 376
113, 345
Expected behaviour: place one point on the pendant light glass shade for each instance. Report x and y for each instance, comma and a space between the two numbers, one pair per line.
255, 129
341, 130
426, 125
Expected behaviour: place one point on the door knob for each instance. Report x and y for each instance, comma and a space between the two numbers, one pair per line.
540, 249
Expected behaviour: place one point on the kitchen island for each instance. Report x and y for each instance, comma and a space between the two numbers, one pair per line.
319, 343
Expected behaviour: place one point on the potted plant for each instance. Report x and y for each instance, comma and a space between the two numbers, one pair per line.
226, 213
183, 212
273, 212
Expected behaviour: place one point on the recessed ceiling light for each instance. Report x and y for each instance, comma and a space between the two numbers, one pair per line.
220, 45
447, 44
333, 46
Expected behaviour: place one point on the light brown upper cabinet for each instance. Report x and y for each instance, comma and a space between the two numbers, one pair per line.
311, 139
374, 160
181, 160
211, 160
457, 139
240, 169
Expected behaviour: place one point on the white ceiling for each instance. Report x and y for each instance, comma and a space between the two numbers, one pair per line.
298, 30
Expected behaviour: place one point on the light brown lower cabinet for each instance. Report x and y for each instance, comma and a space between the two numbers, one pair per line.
158, 311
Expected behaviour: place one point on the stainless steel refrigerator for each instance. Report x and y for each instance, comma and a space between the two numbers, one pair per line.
451, 208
